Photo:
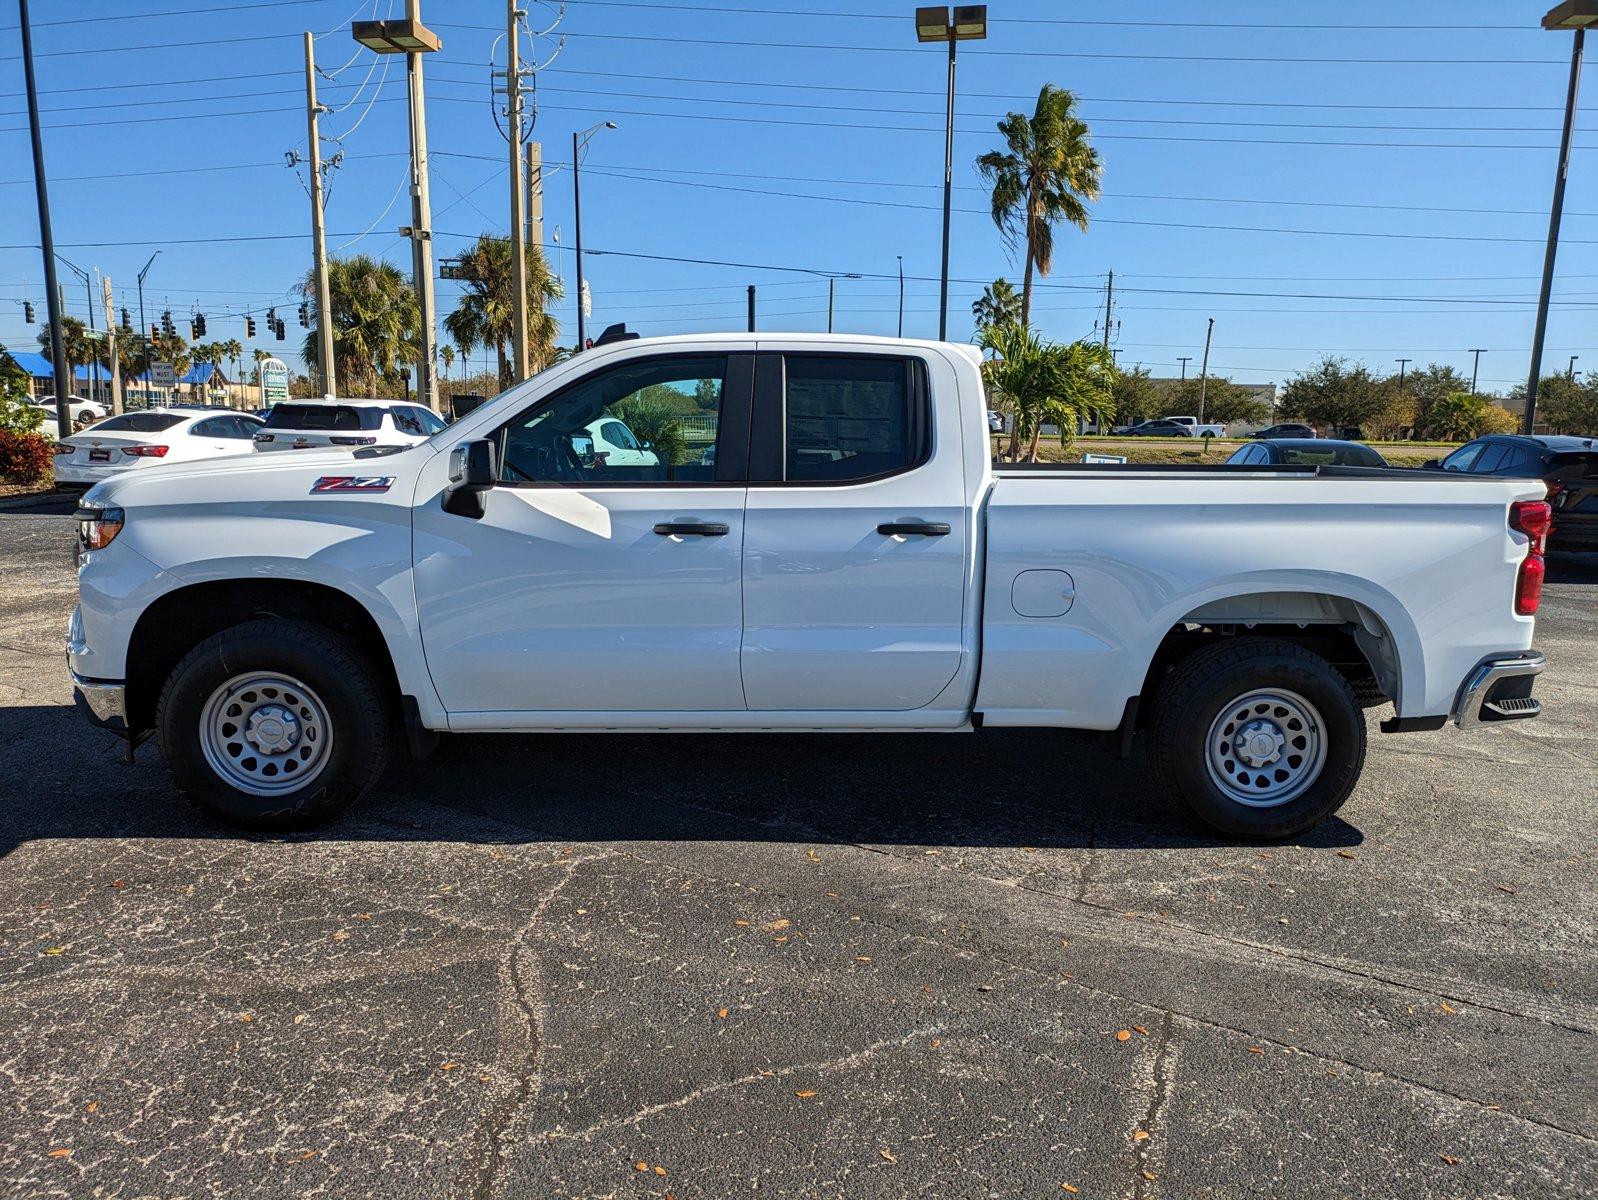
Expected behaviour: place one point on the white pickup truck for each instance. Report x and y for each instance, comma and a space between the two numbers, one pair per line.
818, 542
1197, 428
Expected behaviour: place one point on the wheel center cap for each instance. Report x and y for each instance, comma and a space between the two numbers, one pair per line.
1259, 743
272, 729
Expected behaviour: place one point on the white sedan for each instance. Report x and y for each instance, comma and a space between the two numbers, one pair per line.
83, 409
149, 438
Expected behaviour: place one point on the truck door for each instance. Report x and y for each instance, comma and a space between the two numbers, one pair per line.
597, 580
856, 538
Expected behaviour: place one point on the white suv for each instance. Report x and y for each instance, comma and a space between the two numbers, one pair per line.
319, 424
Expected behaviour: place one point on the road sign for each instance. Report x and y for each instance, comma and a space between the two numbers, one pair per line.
1104, 458
163, 375
274, 381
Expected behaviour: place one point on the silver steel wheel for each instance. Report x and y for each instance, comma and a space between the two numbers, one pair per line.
265, 733
1266, 747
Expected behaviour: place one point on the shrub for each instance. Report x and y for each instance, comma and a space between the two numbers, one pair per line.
24, 457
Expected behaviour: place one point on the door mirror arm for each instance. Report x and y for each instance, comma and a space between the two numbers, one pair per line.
473, 473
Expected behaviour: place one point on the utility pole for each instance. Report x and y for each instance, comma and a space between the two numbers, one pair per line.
1184, 360
901, 294
1109, 299
577, 229
751, 308
1475, 367
1402, 363
831, 281
324, 303
111, 348
521, 366
52, 295
535, 193
421, 222
1204, 370
1555, 212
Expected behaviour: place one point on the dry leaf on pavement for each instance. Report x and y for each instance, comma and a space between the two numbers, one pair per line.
1122, 1035
806, 1094
887, 1155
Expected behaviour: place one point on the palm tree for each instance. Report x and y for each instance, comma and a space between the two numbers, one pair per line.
376, 322
1047, 383
75, 344
446, 355
999, 304
485, 314
1046, 175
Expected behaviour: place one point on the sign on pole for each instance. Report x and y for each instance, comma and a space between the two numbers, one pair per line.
163, 375
274, 381
1103, 458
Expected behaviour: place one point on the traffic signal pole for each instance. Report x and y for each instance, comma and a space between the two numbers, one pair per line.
324, 305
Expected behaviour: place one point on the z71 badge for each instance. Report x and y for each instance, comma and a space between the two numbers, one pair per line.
352, 483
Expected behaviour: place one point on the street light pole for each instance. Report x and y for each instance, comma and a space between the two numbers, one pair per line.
408, 36
1570, 371
144, 329
1204, 370
52, 291
831, 280
578, 141
1577, 15
1184, 359
1475, 368
901, 294
90, 368
938, 24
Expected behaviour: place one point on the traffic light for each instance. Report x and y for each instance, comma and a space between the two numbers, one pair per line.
27, 311
249, 327
305, 316
278, 329
194, 331
271, 317
127, 322
199, 324
166, 324
155, 333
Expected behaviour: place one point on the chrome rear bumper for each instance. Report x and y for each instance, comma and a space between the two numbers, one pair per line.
1482, 697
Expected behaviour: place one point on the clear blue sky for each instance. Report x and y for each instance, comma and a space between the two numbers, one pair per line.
1263, 162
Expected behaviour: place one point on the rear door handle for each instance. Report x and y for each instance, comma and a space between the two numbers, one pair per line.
914, 528
698, 528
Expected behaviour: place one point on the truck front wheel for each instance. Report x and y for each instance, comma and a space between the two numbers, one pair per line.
1259, 737
274, 724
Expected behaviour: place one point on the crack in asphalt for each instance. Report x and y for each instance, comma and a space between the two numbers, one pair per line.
1149, 1152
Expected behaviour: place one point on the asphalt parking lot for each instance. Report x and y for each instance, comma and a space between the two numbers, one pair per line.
847, 966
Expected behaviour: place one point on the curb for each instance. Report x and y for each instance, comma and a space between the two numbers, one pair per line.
32, 500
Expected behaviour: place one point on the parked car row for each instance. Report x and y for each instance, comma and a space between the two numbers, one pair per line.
1567, 465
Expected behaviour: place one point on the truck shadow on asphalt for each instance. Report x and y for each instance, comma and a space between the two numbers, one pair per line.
1018, 788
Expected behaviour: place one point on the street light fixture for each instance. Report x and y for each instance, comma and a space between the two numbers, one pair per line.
965, 23
408, 36
579, 140
1575, 15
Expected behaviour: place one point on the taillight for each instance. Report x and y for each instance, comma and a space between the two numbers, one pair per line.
353, 441
62, 448
145, 451
1529, 585
1534, 518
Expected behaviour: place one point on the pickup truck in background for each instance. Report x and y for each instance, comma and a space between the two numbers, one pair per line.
1198, 430
818, 542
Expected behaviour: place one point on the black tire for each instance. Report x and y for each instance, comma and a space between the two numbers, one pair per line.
345, 685
1204, 685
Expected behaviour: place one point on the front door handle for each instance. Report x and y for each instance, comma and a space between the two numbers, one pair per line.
697, 528
914, 528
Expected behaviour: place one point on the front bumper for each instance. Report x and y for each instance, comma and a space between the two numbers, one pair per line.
1499, 689
102, 701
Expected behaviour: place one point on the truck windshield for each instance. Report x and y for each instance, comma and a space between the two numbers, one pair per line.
337, 418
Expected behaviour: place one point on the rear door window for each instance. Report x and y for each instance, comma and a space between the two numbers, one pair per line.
1490, 459
849, 418
1461, 459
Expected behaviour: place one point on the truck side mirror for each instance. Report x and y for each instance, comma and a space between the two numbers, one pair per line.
472, 474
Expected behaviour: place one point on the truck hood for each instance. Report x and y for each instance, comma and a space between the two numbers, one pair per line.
267, 478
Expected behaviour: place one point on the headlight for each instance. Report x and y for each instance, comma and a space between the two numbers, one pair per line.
98, 525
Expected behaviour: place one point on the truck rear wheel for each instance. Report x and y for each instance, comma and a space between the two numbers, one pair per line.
1259, 737
274, 724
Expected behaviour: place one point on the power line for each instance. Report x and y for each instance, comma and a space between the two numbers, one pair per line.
743, 44
170, 12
